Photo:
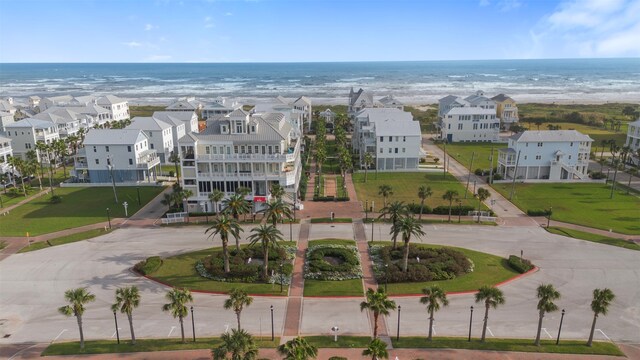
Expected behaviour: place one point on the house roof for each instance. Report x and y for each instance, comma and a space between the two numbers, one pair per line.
31, 123
271, 127
391, 121
183, 104
56, 118
60, 98
148, 123
5, 106
109, 100
550, 136
390, 100
360, 96
113, 137
501, 98
91, 109
174, 117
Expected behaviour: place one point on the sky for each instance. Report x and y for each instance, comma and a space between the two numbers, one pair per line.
315, 30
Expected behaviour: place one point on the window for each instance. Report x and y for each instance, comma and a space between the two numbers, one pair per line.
152, 146
569, 157
525, 157
253, 129
390, 138
128, 148
207, 150
449, 126
389, 150
460, 126
404, 150
404, 139
571, 143
539, 144
235, 149
130, 161
396, 150
538, 157
277, 150
97, 161
475, 126
381, 138
397, 139
95, 149
381, 150
108, 161
239, 128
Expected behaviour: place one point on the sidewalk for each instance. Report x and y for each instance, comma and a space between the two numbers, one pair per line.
542, 221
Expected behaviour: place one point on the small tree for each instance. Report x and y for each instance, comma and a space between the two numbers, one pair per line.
225, 227
238, 343
602, 298
277, 191
237, 300
450, 195
385, 191
175, 159
546, 294
77, 299
127, 299
378, 302
377, 349
434, 298
483, 194
216, 196
396, 210
492, 297
406, 227
177, 305
298, 349
367, 160
424, 192
268, 236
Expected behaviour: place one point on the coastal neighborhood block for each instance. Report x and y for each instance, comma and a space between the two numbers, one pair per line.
25, 133
553, 155
472, 119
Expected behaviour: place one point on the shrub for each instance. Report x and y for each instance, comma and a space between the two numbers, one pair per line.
148, 266
455, 209
55, 199
316, 267
521, 266
480, 172
538, 212
415, 208
596, 175
241, 270
497, 176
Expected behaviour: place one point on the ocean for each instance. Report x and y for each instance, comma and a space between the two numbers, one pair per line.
420, 82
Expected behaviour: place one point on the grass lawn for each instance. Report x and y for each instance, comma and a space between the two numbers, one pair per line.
462, 153
405, 188
79, 206
593, 237
144, 110
351, 287
3, 244
64, 240
180, 271
488, 270
343, 341
520, 345
328, 220
582, 204
142, 345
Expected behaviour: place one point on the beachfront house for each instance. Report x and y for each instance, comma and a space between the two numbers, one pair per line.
390, 135
175, 118
24, 134
253, 151
6, 118
472, 119
219, 107
633, 136
6, 151
358, 100
121, 153
506, 110
297, 112
390, 102
118, 108
186, 104
552, 155
67, 121
160, 135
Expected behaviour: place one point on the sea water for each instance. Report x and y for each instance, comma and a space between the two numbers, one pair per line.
563, 80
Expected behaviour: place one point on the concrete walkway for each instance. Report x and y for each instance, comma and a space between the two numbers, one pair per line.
293, 315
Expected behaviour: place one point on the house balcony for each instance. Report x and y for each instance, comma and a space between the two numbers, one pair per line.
147, 160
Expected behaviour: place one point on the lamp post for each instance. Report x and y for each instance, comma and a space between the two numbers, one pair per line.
335, 333
290, 229
386, 276
366, 211
459, 210
126, 206
549, 217
116, 320
193, 325
372, 222
273, 334
109, 217
113, 182
138, 190
281, 275
470, 322
560, 328
398, 331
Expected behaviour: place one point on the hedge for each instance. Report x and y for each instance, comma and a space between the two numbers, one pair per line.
521, 266
330, 198
148, 266
444, 210
538, 212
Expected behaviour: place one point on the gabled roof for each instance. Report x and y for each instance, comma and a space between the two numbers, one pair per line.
109, 100
501, 98
270, 128
183, 104
303, 99
148, 123
550, 136
361, 96
174, 117
91, 109
60, 98
113, 137
56, 118
237, 113
390, 100
5, 106
31, 123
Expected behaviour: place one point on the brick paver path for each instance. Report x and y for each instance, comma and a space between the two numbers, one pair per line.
330, 185
294, 303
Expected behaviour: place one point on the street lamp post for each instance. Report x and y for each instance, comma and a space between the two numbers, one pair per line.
126, 206
335, 333
116, 320
366, 211
470, 322
138, 190
560, 328
290, 230
459, 210
386, 276
372, 222
193, 325
113, 182
273, 334
281, 276
109, 217
549, 217
398, 331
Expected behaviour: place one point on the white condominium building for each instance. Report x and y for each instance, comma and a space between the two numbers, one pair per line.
472, 119
25, 133
633, 136
159, 132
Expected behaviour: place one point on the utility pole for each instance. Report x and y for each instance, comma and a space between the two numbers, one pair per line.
515, 173
491, 167
444, 161
473, 154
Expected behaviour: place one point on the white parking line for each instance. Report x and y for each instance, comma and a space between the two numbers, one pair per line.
19, 352
171, 331
491, 333
546, 332
603, 334
433, 328
115, 332
57, 337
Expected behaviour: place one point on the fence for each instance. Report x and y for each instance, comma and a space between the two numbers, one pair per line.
173, 218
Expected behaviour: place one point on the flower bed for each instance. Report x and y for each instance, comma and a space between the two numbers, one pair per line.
332, 262
246, 265
425, 264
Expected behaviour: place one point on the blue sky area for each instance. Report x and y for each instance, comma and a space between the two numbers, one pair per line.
315, 30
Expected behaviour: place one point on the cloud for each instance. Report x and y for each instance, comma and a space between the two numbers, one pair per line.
132, 44
508, 5
208, 22
149, 27
228, 14
158, 58
484, 3
588, 28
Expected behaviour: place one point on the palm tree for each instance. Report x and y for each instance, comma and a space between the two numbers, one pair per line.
367, 160
433, 297
379, 303
396, 210
225, 226
602, 298
406, 227
32, 160
127, 299
423, 193
61, 151
450, 195
377, 349
492, 297
18, 166
216, 196
174, 157
77, 299
277, 191
276, 211
237, 300
483, 194
546, 294
269, 236
44, 149
298, 349
321, 157
235, 205
385, 191
238, 343
177, 305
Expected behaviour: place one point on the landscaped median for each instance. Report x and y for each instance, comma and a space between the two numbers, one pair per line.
332, 268
520, 345
329, 220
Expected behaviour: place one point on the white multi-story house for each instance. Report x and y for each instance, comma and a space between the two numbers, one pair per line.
188, 118
390, 135
121, 153
62, 100
633, 136
159, 132
6, 118
472, 119
5, 153
240, 150
506, 110
67, 121
25, 133
186, 104
554, 155
358, 100
390, 102
93, 115
297, 112
118, 108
